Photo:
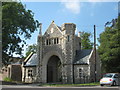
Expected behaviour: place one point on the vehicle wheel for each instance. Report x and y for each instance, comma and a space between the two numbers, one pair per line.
101, 85
114, 83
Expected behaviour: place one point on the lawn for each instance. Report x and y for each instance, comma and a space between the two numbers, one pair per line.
71, 85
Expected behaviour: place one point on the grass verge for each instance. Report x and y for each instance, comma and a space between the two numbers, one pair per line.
71, 85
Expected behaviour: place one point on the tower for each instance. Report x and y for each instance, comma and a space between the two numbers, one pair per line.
68, 30
39, 53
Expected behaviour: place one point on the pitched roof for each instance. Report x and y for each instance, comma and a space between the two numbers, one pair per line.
32, 61
53, 23
59, 27
82, 56
29, 56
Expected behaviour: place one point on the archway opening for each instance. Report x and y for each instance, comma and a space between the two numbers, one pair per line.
54, 68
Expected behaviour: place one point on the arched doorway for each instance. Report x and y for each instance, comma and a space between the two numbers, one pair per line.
54, 68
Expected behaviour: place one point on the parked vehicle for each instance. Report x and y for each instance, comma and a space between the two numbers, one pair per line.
111, 79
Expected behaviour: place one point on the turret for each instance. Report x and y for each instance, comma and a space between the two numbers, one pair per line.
39, 54
68, 28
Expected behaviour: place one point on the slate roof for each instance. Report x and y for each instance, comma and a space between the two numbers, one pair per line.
32, 61
82, 56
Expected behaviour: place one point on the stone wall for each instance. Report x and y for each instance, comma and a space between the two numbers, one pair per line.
26, 78
15, 72
83, 76
92, 67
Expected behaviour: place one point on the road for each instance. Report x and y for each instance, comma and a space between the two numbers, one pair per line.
33, 87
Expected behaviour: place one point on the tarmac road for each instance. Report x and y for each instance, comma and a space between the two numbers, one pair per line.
33, 87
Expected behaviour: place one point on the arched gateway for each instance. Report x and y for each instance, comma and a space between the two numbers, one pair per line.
54, 70
51, 71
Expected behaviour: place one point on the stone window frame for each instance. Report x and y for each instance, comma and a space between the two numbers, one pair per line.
80, 72
30, 73
52, 41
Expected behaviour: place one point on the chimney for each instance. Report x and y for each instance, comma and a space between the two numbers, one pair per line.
79, 34
40, 32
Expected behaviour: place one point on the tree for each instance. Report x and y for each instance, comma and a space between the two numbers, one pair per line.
85, 40
109, 48
31, 48
17, 22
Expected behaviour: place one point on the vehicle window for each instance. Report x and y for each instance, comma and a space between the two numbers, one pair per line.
116, 76
108, 75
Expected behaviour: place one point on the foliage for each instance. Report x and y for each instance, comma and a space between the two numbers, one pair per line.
85, 40
31, 48
17, 23
109, 48
7, 79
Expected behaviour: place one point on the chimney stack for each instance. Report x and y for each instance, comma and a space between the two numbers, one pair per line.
79, 34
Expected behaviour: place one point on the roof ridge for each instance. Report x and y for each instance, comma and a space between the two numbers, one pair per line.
28, 57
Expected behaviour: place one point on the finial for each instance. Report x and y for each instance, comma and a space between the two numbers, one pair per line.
79, 34
52, 21
40, 32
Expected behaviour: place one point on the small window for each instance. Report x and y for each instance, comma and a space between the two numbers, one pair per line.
30, 73
57, 40
80, 73
79, 44
68, 38
47, 42
54, 40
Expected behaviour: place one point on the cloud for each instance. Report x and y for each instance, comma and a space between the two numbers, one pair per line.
76, 31
95, 0
72, 6
103, 1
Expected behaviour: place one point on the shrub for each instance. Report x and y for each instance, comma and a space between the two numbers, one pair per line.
7, 79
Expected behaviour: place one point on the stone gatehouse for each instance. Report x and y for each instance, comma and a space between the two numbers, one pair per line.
60, 58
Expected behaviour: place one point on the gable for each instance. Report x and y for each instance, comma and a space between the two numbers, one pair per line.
53, 31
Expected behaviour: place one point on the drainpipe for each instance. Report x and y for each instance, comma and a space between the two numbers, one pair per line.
73, 74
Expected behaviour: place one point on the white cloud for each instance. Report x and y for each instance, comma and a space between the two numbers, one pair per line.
95, 0
72, 6
76, 31
103, 0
